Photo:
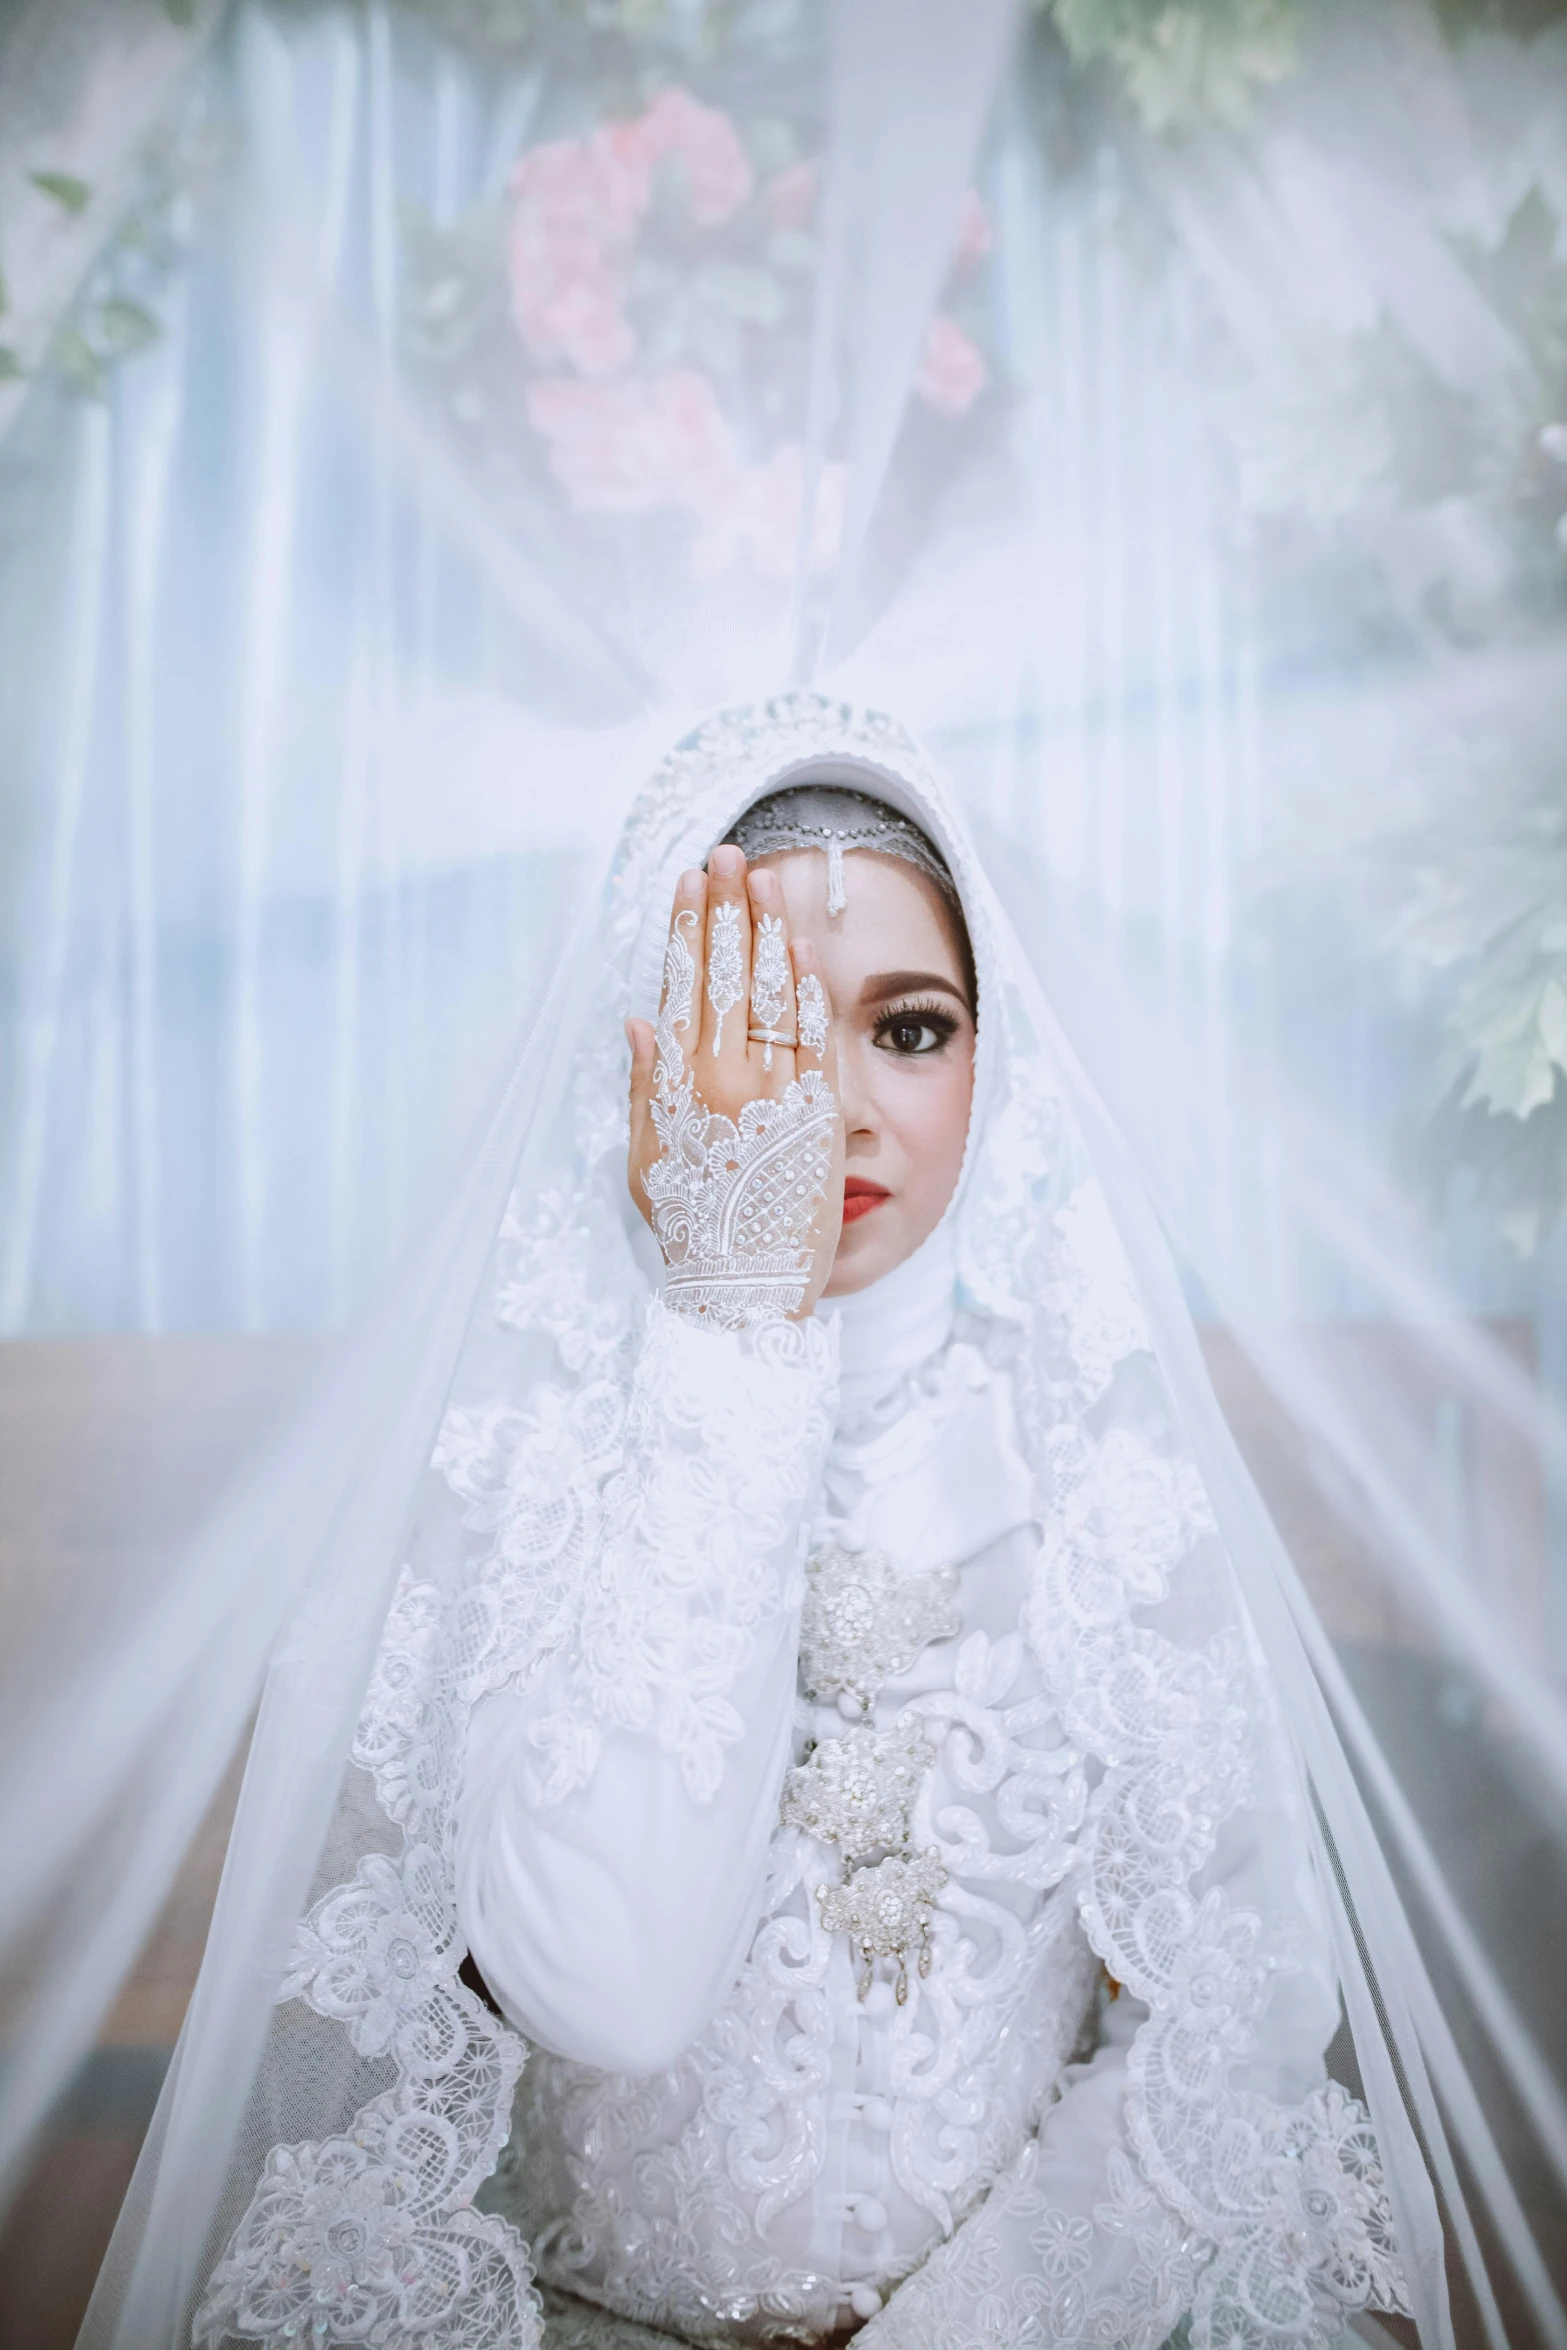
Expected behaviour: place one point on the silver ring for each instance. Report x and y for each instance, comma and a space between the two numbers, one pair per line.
771, 1036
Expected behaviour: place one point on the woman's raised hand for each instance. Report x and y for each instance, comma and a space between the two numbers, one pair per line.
747, 1016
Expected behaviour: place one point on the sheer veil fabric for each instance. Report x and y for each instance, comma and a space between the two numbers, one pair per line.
1259, 2201
360, 668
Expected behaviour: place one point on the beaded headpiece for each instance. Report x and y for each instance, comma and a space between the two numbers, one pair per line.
830, 817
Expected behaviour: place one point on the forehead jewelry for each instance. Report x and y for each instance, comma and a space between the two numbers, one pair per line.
829, 817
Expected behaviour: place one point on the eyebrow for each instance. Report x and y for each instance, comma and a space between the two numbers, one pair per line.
881, 986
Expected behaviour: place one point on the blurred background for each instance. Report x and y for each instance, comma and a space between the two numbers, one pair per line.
414, 412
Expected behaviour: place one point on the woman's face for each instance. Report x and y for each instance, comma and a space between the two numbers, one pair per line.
893, 971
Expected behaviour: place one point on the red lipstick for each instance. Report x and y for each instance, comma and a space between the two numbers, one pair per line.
860, 1195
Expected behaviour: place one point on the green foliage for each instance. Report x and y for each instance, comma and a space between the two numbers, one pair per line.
74, 194
124, 326
78, 364
1185, 62
1486, 899
1521, 18
1462, 500
1517, 1168
1490, 895
103, 329
1339, 423
180, 12
11, 368
116, 314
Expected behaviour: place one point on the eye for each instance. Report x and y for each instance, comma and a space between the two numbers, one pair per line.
911, 1030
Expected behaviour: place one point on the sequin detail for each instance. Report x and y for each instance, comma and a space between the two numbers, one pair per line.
886, 1911
858, 1791
863, 1623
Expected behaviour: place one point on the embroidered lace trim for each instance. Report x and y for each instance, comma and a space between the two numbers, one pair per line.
675, 1515
369, 2236
1020, 2274
597, 1511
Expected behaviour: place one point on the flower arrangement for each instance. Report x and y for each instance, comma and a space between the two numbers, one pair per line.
640, 303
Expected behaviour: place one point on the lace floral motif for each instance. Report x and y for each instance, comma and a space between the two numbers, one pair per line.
864, 1622
369, 2237
371, 1954
615, 1517
1179, 1729
1021, 2274
340, 2245
560, 1272
1088, 1297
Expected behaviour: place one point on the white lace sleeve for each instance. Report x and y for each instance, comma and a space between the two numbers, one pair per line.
615, 1815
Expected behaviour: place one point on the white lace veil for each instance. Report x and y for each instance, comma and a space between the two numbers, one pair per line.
322, 2175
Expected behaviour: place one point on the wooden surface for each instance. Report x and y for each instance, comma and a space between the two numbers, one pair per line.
111, 1449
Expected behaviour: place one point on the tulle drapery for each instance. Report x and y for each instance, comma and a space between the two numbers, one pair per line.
338, 632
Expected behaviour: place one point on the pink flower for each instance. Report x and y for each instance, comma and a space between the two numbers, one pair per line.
951, 374
576, 206
631, 447
625, 448
761, 517
791, 196
707, 143
974, 233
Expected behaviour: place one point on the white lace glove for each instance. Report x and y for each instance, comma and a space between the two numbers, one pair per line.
736, 1142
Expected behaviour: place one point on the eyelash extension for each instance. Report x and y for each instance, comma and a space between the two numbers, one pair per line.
918, 1008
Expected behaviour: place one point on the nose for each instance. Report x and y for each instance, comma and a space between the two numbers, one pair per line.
854, 1094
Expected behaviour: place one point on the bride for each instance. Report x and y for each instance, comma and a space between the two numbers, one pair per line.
822, 1853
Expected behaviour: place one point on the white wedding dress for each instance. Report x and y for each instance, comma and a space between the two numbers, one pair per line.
738, 1680
735, 2138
